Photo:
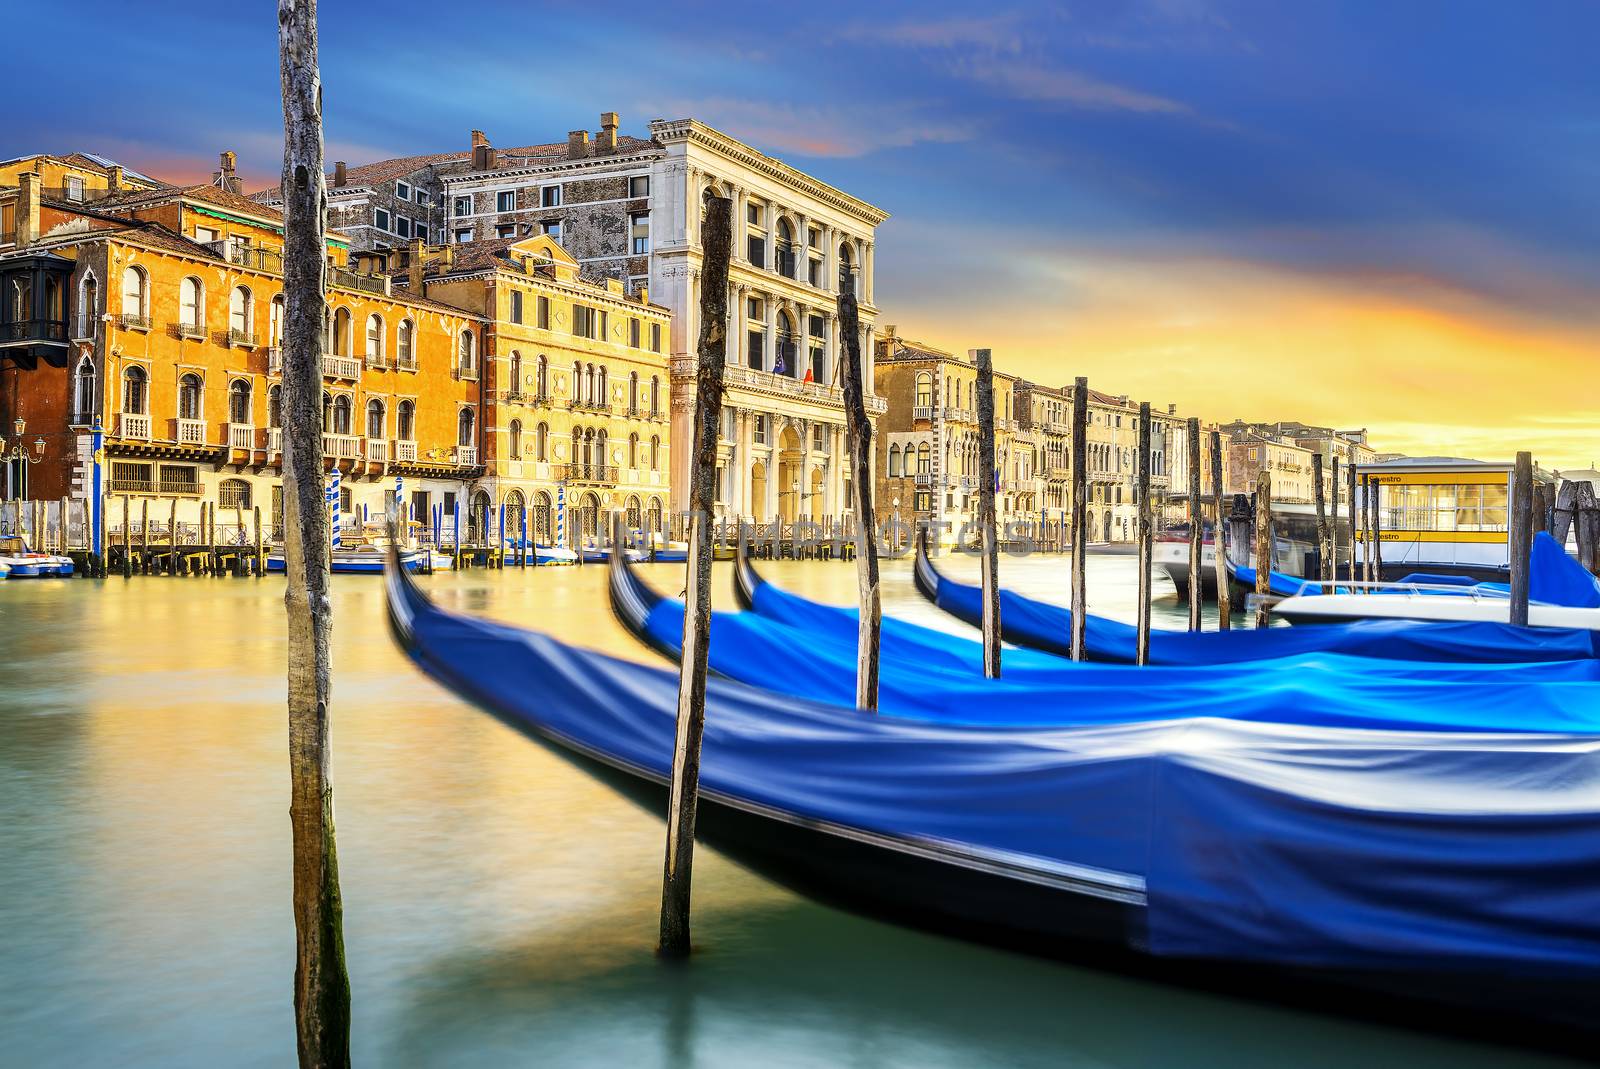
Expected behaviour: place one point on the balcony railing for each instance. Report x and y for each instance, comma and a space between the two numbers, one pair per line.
34, 330
241, 436
767, 380
922, 412
193, 331
924, 478
405, 451
130, 321
341, 367
349, 280
242, 339
593, 474
377, 451
465, 456
375, 360
191, 432
406, 361
341, 446
275, 439
468, 372
133, 425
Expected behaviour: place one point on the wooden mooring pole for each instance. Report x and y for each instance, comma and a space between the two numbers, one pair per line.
1196, 524
1586, 521
1350, 485
986, 515
1319, 496
144, 536
1219, 538
716, 238
1080, 522
1263, 545
1146, 537
127, 539
858, 439
1333, 524
1519, 538
261, 554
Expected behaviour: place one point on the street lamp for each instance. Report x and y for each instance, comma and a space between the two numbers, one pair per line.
17, 449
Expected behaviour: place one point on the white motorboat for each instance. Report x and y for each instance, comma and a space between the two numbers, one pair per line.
1419, 601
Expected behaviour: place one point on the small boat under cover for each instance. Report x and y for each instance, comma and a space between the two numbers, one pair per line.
1041, 626
1433, 866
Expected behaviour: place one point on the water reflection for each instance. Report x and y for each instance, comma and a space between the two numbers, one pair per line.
500, 906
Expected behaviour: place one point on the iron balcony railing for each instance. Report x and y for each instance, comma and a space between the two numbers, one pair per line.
193, 331
34, 330
593, 474
242, 339
131, 321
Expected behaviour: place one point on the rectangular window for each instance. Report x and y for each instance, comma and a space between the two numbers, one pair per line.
633, 333
755, 343
463, 235
402, 190
463, 205
583, 319
813, 237
819, 438
758, 251
814, 271
639, 186
552, 230
753, 214
641, 232
655, 337
203, 234
758, 429
506, 230
549, 196
422, 196
605, 330
380, 219
422, 233
516, 306
402, 226
544, 313
755, 308
505, 200
74, 188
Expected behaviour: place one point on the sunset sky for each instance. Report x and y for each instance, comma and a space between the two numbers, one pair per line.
1364, 214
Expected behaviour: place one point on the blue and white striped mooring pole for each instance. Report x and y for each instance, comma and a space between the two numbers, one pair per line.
333, 500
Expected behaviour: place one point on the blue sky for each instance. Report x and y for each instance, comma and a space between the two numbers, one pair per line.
1130, 190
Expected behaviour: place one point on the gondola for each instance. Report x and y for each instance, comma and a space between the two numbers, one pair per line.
1040, 626
1434, 869
932, 676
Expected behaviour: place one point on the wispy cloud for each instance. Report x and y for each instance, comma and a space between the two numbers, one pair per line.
1047, 84
997, 33
816, 131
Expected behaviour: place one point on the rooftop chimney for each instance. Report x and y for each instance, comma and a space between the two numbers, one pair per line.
414, 267
115, 178
227, 176
482, 152
577, 144
339, 174
607, 143
27, 208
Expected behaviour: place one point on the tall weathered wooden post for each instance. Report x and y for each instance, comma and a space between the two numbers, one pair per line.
321, 984
1367, 553
1219, 538
1355, 576
1196, 524
986, 515
1586, 525
1263, 545
1375, 489
716, 240
1080, 522
1319, 496
1333, 523
1146, 537
858, 435
1519, 537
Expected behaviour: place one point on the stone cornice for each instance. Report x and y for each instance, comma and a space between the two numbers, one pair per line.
692, 131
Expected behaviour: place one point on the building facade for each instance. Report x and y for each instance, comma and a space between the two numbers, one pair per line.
575, 388
163, 327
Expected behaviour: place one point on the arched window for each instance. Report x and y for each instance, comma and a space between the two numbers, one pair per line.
633, 393
374, 339
633, 450
894, 462
655, 515
601, 457
191, 303
466, 421
404, 420
275, 321
135, 391
341, 332
343, 411
189, 396
233, 494
847, 275
601, 396
275, 406
634, 517
784, 261
133, 292
924, 458
85, 396
655, 395
541, 442
540, 531
514, 434
404, 340
575, 393
541, 378
88, 305
239, 401
239, 314
655, 452
516, 373
924, 390
469, 351
375, 419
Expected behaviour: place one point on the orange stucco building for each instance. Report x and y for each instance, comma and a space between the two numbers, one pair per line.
155, 311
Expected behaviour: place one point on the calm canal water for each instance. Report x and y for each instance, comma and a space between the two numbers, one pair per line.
500, 907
